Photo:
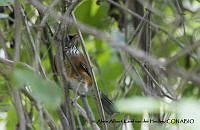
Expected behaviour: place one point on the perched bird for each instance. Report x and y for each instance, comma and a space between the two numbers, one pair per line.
77, 71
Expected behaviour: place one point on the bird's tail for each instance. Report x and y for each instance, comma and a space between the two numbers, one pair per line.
108, 105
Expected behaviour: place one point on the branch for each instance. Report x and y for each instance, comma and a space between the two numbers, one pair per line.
19, 108
155, 26
15, 93
89, 113
80, 109
63, 119
134, 52
33, 45
87, 57
10, 63
60, 36
45, 113
18, 29
183, 52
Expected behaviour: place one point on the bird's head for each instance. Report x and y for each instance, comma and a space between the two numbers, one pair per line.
72, 41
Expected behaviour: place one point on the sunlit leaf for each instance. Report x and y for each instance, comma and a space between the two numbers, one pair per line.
2, 15
189, 109
139, 105
11, 119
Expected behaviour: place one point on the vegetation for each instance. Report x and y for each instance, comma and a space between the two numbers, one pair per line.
143, 54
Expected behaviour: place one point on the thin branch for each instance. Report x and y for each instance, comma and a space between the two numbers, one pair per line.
137, 29
79, 121
183, 52
15, 93
87, 57
42, 126
6, 61
180, 88
62, 70
134, 52
80, 110
155, 26
45, 17
10, 63
182, 73
33, 45
42, 25
19, 108
63, 119
18, 30
45, 113
89, 113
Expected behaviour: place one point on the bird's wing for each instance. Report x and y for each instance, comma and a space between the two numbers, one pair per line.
84, 65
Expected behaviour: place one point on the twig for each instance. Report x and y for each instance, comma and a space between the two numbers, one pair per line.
10, 63
45, 17
14, 91
83, 112
63, 119
114, 43
42, 24
180, 72
19, 108
39, 107
33, 45
47, 116
45, 113
87, 57
6, 61
62, 71
171, 96
48, 44
18, 30
80, 110
79, 121
155, 26
89, 113
180, 88
183, 52
137, 29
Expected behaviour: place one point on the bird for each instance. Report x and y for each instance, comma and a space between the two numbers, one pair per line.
77, 71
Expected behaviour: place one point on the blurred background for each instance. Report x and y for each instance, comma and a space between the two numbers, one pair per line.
166, 87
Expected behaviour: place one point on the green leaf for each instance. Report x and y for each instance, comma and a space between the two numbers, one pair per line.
2, 15
186, 109
42, 90
5, 2
90, 13
139, 105
189, 109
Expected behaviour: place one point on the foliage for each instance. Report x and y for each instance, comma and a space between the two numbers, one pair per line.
120, 75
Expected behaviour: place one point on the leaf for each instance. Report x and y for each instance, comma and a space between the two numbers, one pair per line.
42, 90
189, 109
139, 105
90, 13
5, 2
186, 109
11, 119
3, 15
